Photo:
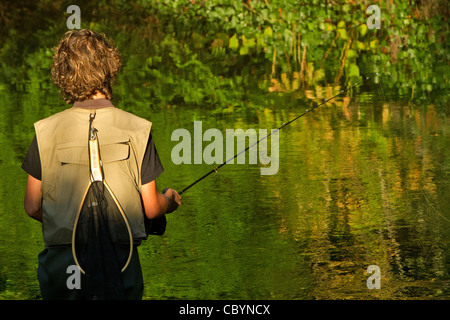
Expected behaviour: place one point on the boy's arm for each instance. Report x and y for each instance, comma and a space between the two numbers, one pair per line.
157, 204
33, 197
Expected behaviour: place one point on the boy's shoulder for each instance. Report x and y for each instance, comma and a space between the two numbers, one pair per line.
53, 116
68, 114
126, 114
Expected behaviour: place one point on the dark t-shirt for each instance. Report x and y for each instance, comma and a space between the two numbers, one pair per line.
151, 164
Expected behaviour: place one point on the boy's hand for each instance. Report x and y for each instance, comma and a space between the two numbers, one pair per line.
173, 198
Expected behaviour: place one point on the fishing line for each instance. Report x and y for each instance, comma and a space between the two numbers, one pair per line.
429, 203
382, 90
216, 169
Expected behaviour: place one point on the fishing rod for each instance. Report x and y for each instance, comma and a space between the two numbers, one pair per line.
216, 169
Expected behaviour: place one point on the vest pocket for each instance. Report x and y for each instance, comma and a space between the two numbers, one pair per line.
111, 150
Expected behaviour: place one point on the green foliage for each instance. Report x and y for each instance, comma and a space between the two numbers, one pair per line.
212, 53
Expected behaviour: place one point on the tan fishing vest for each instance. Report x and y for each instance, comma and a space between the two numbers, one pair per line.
63, 140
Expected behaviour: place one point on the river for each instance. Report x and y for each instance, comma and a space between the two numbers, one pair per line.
361, 181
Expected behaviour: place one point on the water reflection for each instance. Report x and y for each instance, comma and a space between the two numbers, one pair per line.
361, 182
357, 186
377, 183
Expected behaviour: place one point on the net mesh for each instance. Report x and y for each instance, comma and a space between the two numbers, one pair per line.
102, 245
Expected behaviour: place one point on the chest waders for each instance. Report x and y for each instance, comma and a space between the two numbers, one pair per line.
102, 241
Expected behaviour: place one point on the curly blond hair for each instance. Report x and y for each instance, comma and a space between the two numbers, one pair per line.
85, 63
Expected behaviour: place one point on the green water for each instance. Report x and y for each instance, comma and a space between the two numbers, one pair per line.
361, 184
363, 180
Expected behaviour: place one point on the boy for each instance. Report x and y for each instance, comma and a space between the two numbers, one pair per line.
84, 65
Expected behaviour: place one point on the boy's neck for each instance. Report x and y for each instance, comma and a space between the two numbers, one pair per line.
98, 95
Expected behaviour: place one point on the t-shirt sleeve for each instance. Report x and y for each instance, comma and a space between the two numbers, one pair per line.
32, 162
151, 164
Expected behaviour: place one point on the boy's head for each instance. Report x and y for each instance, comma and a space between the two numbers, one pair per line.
85, 63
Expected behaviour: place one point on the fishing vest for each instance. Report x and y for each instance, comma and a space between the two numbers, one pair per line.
63, 149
